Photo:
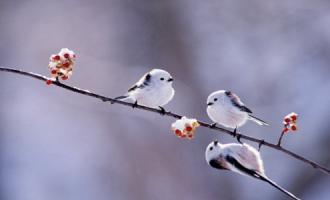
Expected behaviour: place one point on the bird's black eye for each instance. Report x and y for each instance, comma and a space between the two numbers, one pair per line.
211, 148
162, 79
215, 99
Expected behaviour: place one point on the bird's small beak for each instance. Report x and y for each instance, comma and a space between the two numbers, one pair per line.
210, 104
170, 80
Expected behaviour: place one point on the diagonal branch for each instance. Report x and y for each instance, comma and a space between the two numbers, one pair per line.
174, 115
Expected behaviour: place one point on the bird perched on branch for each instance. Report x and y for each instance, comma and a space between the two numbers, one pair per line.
239, 158
227, 109
154, 89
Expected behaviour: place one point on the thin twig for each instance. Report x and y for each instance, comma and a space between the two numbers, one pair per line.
280, 139
204, 124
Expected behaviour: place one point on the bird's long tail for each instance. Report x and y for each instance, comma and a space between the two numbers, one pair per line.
258, 121
127, 98
264, 178
122, 97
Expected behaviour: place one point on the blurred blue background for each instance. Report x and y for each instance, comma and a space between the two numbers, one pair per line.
58, 145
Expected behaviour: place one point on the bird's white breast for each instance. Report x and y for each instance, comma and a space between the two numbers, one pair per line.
153, 96
228, 116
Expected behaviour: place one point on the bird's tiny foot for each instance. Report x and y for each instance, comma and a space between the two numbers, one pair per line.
238, 137
57, 79
112, 101
162, 110
213, 125
260, 144
235, 132
135, 105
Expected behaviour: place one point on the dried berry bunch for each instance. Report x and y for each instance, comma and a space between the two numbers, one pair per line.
185, 128
290, 122
61, 64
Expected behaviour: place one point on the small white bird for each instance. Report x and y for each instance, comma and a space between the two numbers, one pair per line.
226, 109
154, 89
239, 158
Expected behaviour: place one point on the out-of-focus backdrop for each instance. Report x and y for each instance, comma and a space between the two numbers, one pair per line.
58, 145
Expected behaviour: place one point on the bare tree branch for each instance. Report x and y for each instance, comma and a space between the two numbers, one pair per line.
174, 115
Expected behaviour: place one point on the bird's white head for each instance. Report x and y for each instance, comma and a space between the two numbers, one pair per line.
160, 77
213, 150
217, 97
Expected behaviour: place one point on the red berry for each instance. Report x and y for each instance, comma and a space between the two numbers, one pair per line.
189, 128
66, 55
285, 130
64, 78
294, 117
177, 132
190, 136
57, 57
48, 82
66, 65
287, 120
54, 71
293, 127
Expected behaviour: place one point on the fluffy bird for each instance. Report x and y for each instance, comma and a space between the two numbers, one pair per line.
227, 109
154, 89
239, 158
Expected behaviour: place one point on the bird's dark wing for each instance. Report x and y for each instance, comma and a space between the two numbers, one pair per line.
239, 166
245, 109
236, 101
144, 81
133, 88
216, 164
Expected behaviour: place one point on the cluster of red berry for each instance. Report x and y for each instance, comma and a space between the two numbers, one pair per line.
290, 122
61, 64
185, 128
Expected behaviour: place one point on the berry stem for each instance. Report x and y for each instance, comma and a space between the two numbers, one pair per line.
280, 139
